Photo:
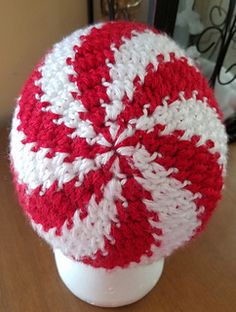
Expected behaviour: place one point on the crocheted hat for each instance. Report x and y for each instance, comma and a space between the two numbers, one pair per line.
117, 146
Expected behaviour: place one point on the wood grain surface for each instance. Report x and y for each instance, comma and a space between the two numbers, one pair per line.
200, 277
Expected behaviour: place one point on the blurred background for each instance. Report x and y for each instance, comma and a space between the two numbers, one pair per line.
200, 277
28, 29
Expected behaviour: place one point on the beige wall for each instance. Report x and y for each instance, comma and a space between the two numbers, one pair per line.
27, 30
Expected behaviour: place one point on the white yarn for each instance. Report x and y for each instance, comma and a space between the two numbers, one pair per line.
194, 117
34, 169
57, 88
86, 237
175, 206
170, 198
131, 60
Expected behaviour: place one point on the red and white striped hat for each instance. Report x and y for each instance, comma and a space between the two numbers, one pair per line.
117, 146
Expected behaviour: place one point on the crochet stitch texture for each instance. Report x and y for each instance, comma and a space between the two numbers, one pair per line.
117, 146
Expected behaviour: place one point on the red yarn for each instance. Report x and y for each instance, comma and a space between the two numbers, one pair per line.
134, 237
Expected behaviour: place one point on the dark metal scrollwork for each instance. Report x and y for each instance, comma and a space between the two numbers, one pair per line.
223, 26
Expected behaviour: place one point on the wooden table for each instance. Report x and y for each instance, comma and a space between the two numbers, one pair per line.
200, 277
